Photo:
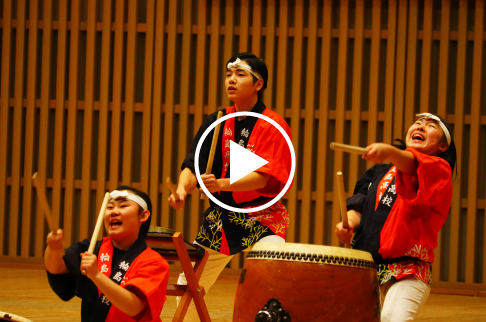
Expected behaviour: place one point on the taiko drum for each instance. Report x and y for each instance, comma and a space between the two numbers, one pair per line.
299, 282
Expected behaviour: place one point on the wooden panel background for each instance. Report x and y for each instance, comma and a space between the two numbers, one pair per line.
98, 93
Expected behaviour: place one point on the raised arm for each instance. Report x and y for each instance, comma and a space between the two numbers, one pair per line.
53, 255
403, 160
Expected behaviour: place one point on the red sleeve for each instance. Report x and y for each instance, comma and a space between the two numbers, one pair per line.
432, 183
273, 147
150, 281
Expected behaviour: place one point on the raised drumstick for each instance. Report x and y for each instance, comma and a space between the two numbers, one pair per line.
172, 188
213, 149
348, 148
342, 202
41, 195
99, 223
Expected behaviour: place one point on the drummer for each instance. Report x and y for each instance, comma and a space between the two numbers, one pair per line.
126, 280
224, 233
397, 210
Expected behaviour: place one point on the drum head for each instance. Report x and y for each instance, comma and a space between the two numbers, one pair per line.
155, 230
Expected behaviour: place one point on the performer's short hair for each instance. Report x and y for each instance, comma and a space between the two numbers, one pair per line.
146, 225
257, 65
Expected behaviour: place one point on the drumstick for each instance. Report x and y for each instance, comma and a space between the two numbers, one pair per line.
41, 195
99, 223
348, 148
172, 188
213, 149
342, 202
11, 317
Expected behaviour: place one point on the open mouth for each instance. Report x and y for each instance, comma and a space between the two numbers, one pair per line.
231, 88
115, 223
418, 136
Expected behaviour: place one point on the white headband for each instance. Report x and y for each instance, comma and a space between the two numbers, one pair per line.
442, 125
236, 64
117, 194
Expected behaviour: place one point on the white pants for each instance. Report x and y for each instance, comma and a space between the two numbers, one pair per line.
402, 300
214, 266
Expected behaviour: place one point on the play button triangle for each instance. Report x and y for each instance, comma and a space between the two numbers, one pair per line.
243, 162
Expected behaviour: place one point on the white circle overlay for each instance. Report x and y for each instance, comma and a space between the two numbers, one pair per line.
198, 150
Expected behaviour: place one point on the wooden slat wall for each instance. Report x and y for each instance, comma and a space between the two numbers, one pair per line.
308, 131
348, 71
5, 137
46, 81
102, 153
340, 108
475, 124
28, 211
59, 137
156, 144
15, 209
71, 157
323, 153
456, 207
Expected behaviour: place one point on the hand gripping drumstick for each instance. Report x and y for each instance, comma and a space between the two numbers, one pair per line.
348, 148
213, 149
99, 223
172, 188
342, 202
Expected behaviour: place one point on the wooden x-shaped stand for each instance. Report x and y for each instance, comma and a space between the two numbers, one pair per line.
172, 247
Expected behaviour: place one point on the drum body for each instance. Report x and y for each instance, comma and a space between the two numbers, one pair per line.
312, 283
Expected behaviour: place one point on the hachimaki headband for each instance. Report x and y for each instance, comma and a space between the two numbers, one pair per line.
237, 64
437, 119
128, 195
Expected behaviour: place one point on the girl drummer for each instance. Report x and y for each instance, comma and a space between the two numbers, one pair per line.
224, 233
397, 210
126, 280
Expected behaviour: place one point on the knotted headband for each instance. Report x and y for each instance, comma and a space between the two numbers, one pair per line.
128, 195
437, 119
237, 64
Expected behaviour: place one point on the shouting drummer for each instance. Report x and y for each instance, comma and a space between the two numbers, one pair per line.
125, 280
225, 233
397, 210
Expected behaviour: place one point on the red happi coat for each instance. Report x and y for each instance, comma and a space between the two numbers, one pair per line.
420, 210
231, 232
148, 274
268, 143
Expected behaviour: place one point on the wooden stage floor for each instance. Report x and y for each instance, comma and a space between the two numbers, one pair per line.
25, 292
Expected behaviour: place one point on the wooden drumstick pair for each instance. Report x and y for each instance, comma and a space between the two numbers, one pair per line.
41, 195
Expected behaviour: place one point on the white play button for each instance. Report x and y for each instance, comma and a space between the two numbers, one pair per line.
243, 162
